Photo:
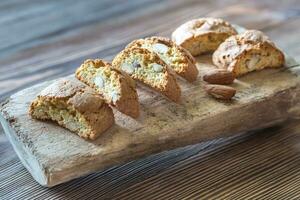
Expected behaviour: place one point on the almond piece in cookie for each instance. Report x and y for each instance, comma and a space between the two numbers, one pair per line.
179, 59
117, 89
148, 68
246, 52
202, 35
74, 106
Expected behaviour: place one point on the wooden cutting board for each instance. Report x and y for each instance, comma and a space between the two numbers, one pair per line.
54, 155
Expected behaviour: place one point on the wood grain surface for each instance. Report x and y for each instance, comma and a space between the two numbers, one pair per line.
43, 40
53, 155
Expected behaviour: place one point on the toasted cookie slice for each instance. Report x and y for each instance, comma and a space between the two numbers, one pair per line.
117, 89
246, 52
147, 67
202, 35
74, 106
179, 59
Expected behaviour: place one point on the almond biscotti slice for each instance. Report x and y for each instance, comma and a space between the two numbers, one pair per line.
74, 106
247, 52
202, 35
117, 89
147, 67
179, 59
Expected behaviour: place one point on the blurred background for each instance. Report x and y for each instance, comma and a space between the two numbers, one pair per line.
45, 39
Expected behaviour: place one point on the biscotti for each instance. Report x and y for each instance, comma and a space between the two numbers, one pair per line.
246, 52
117, 89
74, 106
179, 59
147, 67
202, 35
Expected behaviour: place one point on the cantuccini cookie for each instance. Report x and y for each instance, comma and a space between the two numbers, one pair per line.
246, 52
179, 59
118, 89
74, 106
147, 67
202, 35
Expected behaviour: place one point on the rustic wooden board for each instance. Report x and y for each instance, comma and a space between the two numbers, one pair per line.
54, 155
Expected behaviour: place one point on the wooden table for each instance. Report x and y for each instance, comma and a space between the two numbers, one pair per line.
45, 40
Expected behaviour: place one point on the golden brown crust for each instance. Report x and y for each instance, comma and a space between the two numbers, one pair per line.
179, 59
84, 107
147, 67
246, 52
115, 84
202, 35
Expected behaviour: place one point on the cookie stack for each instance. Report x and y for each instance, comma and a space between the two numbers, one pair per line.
84, 105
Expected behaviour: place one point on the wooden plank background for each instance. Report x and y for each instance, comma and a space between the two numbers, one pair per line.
43, 40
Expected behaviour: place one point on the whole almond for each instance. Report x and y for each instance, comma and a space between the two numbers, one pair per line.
220, 91
219, 76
